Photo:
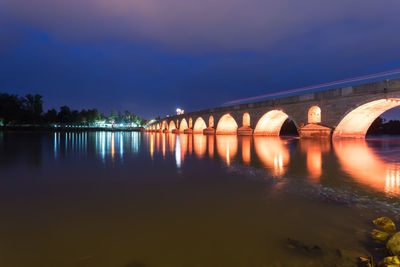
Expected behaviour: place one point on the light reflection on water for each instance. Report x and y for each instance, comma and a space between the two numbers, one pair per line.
362, 163
374, 164
125, 198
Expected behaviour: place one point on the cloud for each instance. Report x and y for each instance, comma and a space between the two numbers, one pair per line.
207, 25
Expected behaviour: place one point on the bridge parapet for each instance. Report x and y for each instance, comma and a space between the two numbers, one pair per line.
335, 105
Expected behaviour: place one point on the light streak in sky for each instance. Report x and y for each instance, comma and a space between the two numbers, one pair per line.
307, 88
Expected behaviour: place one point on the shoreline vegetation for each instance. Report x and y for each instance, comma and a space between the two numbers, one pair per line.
69, 128
26, 112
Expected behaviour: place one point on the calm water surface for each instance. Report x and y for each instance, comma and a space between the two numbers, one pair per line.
134, 199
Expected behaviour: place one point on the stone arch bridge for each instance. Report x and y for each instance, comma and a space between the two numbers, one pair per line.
343, 112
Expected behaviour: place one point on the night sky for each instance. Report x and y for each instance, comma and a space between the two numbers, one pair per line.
152, 56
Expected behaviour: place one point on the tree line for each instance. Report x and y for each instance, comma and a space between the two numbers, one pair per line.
381, 126
28, 109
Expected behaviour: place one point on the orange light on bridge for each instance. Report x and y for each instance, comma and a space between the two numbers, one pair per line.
356, 123
393, 100
199, 126
227, 125
172, 125
183, 125
270, 123
314, 114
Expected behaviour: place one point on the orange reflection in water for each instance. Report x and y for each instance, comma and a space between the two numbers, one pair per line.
273, 153
151, 145
158, 142
112, 145
190, 146
246, 149
200, 144
184, 145
227, 147
163, 145
314, 150
360, 162
210, 140
171, 141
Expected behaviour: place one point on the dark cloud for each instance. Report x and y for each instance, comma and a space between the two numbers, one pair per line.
207, 24
155, 55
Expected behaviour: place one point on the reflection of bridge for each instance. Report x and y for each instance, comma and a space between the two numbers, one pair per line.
375, 166
343, 112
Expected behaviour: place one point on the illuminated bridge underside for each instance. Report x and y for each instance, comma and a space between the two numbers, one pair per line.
199, 126
227, 125
172, 125
341, 113
183, 125
356, 123
271, 123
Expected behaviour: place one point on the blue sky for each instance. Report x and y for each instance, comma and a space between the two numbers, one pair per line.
151, 57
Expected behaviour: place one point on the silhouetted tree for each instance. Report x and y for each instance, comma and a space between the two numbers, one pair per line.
64, 116
29, 109
51, 116
11, 109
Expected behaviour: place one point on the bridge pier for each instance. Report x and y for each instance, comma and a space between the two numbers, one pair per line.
209, 131
315, 131
245, 130
188, 131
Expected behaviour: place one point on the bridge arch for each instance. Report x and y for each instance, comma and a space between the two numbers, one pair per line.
190, 123
183, 125
246, 120
271, 123
199, 125
211, 121
227, 125
172, 125
356, 122
164, 125
314, 114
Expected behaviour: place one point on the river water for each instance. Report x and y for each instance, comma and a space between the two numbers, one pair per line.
149, 199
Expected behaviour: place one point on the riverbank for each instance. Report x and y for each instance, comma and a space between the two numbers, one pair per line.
69, 128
